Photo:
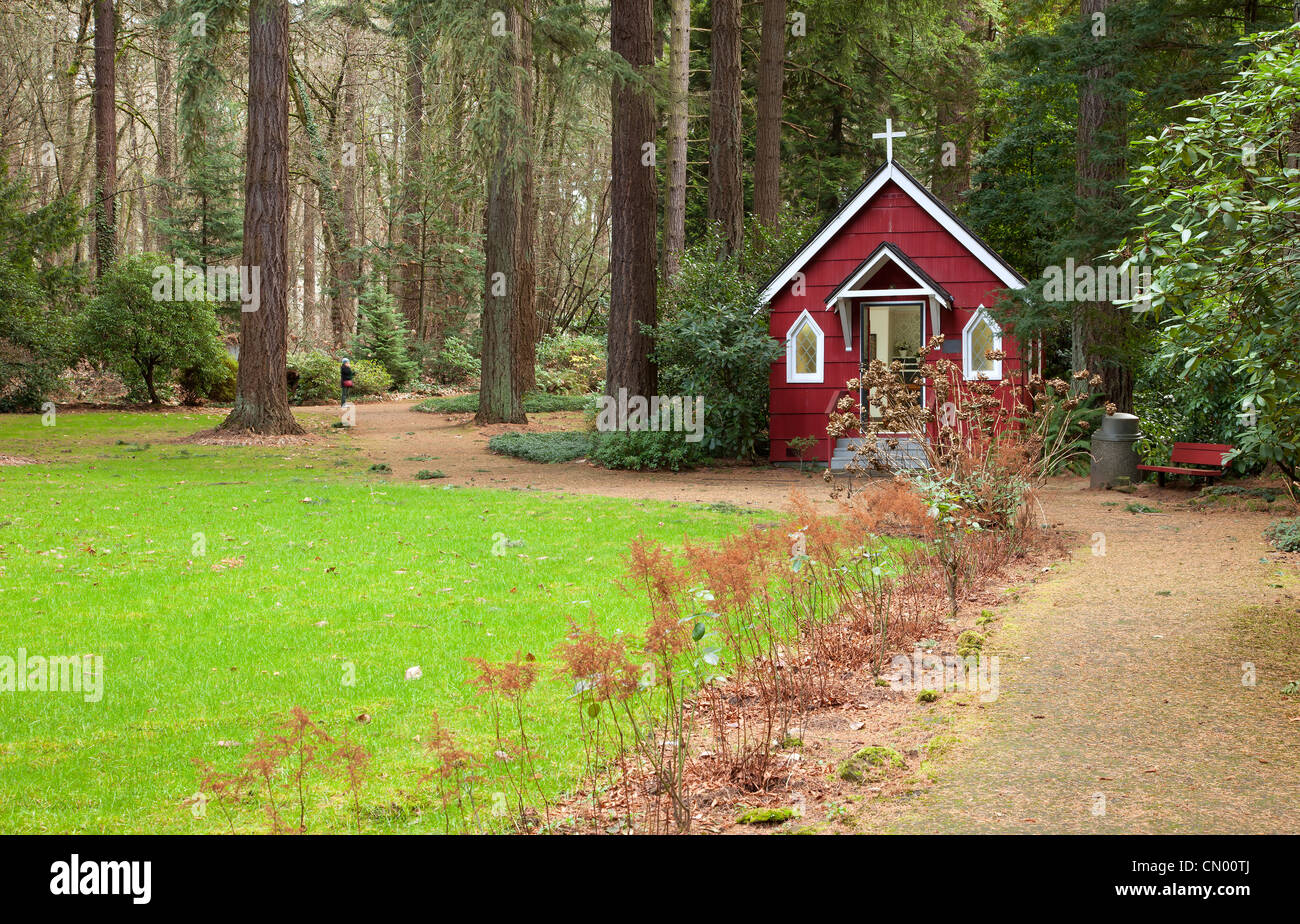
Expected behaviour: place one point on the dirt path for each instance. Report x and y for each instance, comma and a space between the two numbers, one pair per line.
1122, 704
408, 441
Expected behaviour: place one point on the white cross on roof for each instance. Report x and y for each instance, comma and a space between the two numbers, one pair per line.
889, 135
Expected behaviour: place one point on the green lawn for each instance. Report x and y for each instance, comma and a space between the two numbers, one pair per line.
98, 555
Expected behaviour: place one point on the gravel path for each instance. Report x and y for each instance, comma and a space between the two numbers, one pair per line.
1122, 704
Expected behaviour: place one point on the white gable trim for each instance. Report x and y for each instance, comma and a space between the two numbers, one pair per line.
849, 287
916, 194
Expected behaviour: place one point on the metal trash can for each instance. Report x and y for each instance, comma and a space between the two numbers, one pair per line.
1113, 455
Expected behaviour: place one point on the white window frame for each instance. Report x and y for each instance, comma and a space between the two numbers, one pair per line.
995, 374
790, 374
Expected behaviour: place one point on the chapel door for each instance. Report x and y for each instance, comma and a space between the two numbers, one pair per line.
894, 332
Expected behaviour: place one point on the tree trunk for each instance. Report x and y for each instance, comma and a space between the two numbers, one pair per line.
412, 223
312, 329
344, 316
771, 86
131, 214
147, 371
632, 205
500, 397
1100, 331
525, 317
332, 226
726, 194
162, 75
105, 138
262, 393
679, 79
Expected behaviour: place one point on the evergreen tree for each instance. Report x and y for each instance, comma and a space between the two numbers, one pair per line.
206, 225
35, 294
382, 335
1028, 201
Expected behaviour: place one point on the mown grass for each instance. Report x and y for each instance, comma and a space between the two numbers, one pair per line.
202, 575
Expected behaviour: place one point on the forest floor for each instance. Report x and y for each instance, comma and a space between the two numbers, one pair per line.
1140, 681
409, 441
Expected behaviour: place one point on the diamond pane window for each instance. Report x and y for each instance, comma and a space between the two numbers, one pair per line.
981, 341
804, 350
981, 336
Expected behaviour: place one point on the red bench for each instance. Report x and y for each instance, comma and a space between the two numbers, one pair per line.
1208, 457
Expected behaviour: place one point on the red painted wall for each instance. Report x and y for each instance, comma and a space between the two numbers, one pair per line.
799, 408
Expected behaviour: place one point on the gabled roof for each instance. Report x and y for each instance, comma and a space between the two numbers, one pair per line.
918, 194
889, 252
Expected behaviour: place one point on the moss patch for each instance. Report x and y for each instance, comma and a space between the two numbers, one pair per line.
871, 763
940, 745
969, 642
765, 816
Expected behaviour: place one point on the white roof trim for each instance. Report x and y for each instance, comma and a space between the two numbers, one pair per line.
917, 195
884, 293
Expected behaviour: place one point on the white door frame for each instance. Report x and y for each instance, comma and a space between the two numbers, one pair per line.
864, 312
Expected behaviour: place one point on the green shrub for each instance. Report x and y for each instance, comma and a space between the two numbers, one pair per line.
560, 446
314, 376
382, 337
370, 377
214, 382
448, 404
713, 340
645, 449
1079, 422
454, 363
554, 404
1284, 534
927, 696
145, 338
38, 293
572, 364
1180, 405
425, 474
624, 450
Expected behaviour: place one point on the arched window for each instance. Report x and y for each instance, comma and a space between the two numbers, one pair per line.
804, 351
980, 336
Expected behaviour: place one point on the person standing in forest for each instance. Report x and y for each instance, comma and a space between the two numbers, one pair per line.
345, 381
